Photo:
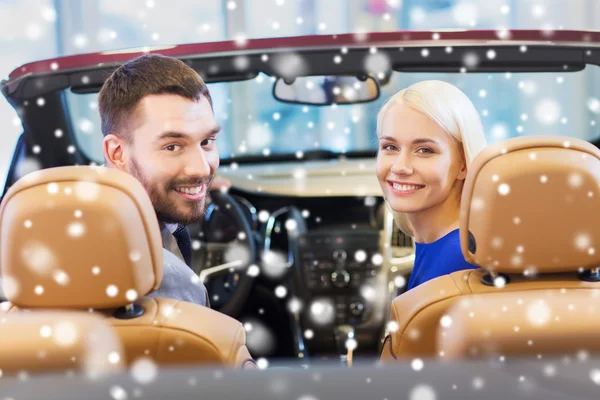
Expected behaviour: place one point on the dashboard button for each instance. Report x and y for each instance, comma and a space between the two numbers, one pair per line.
357, 308
340, 255
340, 279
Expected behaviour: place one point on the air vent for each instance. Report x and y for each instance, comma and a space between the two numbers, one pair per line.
399, 239
401, 246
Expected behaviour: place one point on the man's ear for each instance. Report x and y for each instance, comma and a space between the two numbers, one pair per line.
115, 152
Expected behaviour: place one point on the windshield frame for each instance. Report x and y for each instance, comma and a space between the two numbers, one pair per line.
52, 85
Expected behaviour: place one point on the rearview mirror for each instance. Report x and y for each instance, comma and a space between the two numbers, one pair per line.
326, 90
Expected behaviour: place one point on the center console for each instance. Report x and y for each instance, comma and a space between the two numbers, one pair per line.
340, 270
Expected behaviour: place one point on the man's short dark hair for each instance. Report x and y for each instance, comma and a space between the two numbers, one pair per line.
145, 75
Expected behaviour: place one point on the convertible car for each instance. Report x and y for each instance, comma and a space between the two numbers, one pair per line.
301, 249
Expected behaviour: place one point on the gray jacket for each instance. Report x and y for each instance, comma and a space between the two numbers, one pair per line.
180, 282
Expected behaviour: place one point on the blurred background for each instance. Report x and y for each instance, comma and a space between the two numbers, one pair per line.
40, 29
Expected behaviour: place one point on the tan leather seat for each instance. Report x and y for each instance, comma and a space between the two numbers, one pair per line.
48, 341
88, 238
530, 218
533, 323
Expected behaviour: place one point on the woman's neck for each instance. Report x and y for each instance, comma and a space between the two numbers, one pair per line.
436, 222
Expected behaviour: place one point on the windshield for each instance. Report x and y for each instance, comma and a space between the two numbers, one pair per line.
255, 123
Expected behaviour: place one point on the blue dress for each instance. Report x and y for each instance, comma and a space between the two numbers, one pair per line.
439, 258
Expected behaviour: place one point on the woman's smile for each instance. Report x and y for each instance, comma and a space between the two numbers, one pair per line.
404, 188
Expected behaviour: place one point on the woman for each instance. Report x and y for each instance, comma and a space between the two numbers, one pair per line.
428, 135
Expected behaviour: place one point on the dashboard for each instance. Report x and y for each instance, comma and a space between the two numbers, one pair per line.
337, 250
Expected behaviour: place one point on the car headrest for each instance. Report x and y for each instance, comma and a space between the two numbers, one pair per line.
49, 341
78, 237
530, 205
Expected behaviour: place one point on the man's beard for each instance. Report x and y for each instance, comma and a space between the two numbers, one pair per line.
167, 209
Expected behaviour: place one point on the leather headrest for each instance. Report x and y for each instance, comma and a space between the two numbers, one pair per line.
530, 205
78, 237
47, 341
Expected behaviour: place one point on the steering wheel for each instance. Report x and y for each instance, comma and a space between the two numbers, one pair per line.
224, 271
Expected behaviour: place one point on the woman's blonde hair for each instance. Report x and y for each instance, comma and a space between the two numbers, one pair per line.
451, 109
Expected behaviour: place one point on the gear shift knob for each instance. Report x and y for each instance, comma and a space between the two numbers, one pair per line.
344, 337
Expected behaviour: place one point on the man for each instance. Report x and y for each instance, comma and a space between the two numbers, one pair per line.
159, 126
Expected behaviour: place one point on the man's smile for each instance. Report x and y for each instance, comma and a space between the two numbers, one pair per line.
191, 192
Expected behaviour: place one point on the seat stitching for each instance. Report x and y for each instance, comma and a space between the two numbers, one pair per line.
164, 328
248, 360
235, 340
466, 280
